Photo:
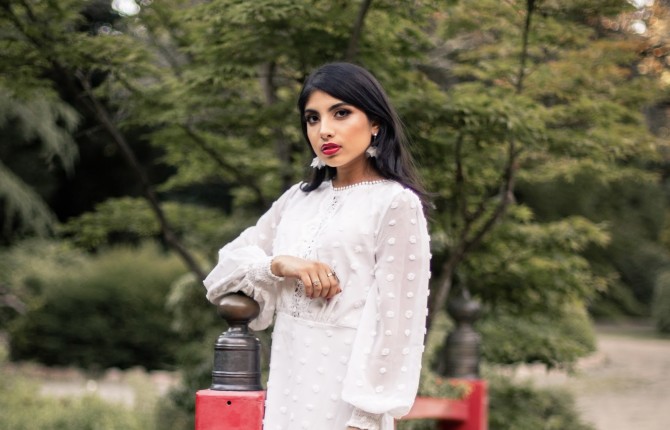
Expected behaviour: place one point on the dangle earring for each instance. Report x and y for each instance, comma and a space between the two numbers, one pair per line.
317, 163
371, 152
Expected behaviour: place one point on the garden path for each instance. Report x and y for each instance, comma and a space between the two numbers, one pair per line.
623, 386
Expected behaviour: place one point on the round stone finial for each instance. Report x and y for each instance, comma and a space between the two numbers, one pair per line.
237, 350
238, 308
464, 309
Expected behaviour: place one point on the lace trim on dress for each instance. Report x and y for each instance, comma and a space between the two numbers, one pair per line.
358, 184
299, 304
364, 420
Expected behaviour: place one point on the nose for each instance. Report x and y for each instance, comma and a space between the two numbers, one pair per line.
326, 132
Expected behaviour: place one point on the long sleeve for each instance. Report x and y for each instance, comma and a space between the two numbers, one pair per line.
244, 265
383, 375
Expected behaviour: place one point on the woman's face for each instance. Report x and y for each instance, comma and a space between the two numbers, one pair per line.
338, 132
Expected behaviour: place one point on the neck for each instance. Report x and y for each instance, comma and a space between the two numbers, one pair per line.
350, 176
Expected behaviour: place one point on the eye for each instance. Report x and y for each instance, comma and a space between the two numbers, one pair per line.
311, 119
342, 113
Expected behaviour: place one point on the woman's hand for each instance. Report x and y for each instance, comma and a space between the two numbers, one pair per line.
318, 278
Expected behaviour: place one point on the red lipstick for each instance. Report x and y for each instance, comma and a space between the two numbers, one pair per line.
330, 148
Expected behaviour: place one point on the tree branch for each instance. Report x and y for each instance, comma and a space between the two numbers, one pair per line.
506, 197
465, 245
357, 30
281, 143
166, 229
530, 8
242, 178
459, 178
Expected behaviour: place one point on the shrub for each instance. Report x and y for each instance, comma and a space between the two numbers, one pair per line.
106, 311
639, 262
524, 407
661, 303
22, 409
553, 340
22, 269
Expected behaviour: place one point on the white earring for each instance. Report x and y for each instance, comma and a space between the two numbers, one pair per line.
317, 163
371, 152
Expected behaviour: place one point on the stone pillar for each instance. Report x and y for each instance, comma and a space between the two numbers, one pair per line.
237, 364
235, 400
461, 351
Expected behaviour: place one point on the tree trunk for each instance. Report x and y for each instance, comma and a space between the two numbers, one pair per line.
470, 239
438, 299
530, 8
357, 30
283, 150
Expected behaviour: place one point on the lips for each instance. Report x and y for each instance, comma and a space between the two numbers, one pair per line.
330, 148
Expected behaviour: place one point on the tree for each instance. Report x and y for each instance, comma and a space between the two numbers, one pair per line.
499, 100
41, 123
492, 96
77, 63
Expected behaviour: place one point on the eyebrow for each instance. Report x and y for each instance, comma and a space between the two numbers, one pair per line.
330, 109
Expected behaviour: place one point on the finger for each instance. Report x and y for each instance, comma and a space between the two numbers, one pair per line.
307, 283
321, 283
325, 285
334, 283
317, 286
329, 281
332, 277
333, 292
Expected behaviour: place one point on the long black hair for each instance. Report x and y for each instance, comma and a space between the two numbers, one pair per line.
356, 86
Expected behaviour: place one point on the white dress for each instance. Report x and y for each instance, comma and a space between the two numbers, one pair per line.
355, 359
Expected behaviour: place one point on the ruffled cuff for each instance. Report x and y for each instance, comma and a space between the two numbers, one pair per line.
261, 271
260, 284
364, 420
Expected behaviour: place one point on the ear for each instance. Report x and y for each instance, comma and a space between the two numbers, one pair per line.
375, 127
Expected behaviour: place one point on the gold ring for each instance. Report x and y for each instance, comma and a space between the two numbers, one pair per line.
330, 274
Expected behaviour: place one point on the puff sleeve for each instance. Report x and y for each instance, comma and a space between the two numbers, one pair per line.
383, 374
244, 265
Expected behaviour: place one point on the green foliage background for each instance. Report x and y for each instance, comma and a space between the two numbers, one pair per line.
179, 124
94, 312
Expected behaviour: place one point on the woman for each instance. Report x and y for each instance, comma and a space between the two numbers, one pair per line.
343, 261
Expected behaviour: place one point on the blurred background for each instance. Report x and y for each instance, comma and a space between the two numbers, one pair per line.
138, 137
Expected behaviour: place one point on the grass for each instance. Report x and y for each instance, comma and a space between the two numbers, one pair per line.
24, 408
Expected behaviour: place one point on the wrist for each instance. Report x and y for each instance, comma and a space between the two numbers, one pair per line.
275, 267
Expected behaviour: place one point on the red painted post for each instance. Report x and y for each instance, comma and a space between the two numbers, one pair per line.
461, 366
236, 400
477, 404
229, 410
468, 413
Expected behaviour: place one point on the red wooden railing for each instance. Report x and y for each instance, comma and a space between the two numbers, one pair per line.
469, 413
235, 401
